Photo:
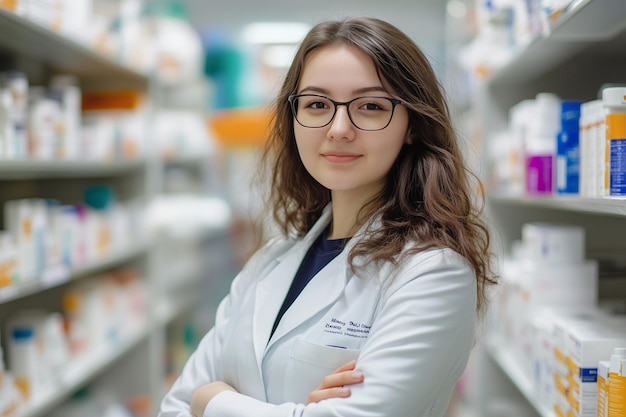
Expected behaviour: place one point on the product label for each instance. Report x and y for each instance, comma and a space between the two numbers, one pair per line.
617, 167
568, 162
615, 175
617, 395
558, 411
602, 397
616, 126
588, 374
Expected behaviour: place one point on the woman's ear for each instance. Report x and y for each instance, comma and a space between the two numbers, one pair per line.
409, 137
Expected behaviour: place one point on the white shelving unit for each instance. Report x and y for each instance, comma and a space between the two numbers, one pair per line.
511, 368
38, 44
80, 372
601, 206
586, 48
63, 275
133, 365
23, 170
586, 24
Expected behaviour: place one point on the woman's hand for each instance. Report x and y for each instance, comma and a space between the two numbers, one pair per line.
333, 385
205, 393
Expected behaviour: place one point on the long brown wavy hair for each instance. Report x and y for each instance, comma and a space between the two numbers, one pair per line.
427, 196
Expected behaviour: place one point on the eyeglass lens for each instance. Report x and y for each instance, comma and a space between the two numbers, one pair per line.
366, 113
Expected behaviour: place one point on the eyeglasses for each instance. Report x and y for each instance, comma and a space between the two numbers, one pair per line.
366, 113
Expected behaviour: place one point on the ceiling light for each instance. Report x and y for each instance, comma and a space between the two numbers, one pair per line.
456, 9
278, 56
274, 33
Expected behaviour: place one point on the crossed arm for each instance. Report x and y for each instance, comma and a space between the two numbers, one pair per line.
412, 370
333, 385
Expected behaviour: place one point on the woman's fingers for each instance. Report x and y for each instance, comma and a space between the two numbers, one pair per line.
346, 367
324, 394
340, 379
333, 385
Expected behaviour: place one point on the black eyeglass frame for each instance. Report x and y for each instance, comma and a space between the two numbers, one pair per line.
294, 97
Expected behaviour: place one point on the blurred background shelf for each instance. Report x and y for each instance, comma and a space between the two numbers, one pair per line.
605, 206
22, 170
39, 43
586, 25
81, 371
511, 368
62, 274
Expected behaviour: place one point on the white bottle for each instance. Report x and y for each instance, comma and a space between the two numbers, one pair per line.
614, 104
543, 128
6, 127
70, 94
23, 358
44, 124
16, 84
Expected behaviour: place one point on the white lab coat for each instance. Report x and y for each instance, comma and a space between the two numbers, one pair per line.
411, 329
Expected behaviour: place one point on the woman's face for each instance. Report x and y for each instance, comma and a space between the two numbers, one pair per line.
340, 156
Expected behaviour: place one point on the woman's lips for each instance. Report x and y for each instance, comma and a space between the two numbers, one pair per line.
338, 157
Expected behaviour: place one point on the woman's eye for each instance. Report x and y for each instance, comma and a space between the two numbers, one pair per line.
371, 106
317, 105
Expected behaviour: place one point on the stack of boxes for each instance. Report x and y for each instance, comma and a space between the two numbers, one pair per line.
586, 345
548, 270
551, 321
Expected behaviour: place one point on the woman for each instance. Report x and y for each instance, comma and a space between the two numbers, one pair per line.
367, 305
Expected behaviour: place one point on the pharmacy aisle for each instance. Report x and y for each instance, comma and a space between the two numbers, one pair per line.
546, 107
94, 315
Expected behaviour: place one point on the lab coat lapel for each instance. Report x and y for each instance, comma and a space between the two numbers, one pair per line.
321, 291
270, 295
272, 290
324, 288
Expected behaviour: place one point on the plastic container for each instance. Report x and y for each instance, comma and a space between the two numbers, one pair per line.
7, 141
45, 122
614, 104
16, 84
23, 358
603, 389
617, 384
553, 243
592, 148
69, 91
541, 144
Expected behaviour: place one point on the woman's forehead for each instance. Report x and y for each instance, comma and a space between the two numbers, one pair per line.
340, 68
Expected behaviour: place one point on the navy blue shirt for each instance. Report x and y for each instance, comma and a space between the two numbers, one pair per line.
321, 252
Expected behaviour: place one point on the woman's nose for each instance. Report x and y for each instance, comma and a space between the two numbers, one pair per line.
341, 126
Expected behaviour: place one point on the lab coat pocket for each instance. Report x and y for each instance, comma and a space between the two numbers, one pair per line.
308, 364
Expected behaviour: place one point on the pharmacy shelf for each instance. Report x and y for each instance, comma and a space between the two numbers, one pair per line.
57, 276
22, 170
504, 359
187, 161
606, 206
79, 371
584, 24
27, 38
167, 311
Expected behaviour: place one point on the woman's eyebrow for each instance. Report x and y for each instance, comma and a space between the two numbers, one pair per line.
313, 89
378, 89
363, 90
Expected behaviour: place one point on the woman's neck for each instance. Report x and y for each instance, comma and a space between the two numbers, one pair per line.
346, 207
